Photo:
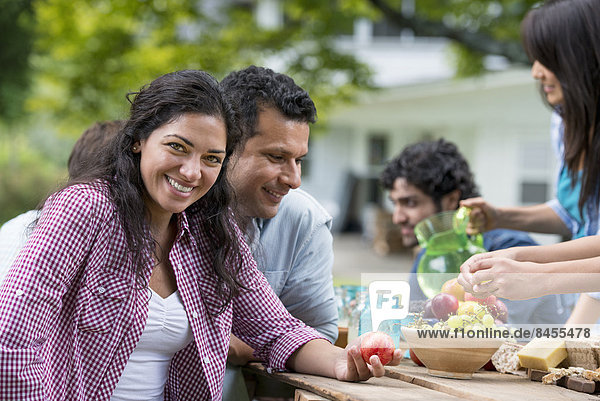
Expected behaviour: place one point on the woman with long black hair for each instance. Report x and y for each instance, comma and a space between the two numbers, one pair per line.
136, 274
561, 39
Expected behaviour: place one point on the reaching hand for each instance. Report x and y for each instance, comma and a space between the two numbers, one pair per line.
490, 274
483, 216
350, 366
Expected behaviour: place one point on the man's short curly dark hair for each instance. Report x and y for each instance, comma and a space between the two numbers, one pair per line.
254, 88
435, 167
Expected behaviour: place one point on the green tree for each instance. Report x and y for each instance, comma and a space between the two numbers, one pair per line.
88, 54
15, 48
29, 175
477, 27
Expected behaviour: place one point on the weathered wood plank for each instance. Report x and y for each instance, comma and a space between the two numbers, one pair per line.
303, 395
486, 386
380, 389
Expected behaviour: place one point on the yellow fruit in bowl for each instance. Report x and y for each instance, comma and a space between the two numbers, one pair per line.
453, 288
471, 308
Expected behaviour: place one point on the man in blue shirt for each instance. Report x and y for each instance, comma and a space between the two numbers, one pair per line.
288, 230
431, 177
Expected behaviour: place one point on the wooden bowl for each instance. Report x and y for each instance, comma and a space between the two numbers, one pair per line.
456, 358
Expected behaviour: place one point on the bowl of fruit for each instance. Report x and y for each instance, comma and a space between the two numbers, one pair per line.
464, 338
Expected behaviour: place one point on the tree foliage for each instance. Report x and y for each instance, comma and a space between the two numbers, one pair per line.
477, 27
88, 54
29, 175
15, 48
80, 58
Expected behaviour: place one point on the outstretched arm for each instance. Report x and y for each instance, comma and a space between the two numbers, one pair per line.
539, 218
319, 357
488, 274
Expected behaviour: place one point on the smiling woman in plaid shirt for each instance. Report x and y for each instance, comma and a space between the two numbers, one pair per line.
135, 275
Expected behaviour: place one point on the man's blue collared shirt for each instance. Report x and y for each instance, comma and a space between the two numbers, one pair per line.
294, 250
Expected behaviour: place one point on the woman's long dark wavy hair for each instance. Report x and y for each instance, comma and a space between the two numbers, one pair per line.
163, 101
564, 36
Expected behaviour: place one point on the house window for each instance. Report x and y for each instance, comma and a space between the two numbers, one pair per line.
378, 149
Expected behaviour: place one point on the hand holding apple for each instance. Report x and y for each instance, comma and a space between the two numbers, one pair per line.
350, 365
377, 343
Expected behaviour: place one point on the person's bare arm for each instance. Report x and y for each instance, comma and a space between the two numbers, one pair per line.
587, 311
539, 218
320, 357
580, 248
487, 274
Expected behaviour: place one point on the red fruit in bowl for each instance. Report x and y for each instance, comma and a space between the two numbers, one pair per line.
427, 312
377, 343
489, 301
443, 305
499, 311
414, 357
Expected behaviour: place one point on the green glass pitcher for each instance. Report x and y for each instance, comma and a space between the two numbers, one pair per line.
447, 246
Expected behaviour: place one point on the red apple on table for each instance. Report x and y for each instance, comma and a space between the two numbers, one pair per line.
414, 357
377, 343
443, 305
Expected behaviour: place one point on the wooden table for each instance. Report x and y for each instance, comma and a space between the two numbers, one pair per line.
410, 382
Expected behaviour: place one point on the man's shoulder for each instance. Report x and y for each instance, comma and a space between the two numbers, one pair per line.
298, 218
299, 204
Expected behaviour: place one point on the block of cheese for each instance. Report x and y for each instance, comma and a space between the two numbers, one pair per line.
542, 353
505, 360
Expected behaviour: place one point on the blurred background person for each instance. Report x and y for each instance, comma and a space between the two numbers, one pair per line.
430, 177
14, 233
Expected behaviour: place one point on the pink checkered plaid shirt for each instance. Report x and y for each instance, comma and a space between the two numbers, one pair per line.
71, 312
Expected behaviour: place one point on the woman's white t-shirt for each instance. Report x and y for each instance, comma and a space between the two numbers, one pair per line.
167, 331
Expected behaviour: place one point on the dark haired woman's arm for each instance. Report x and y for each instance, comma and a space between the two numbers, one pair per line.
539, 218
32, 293
319, 357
